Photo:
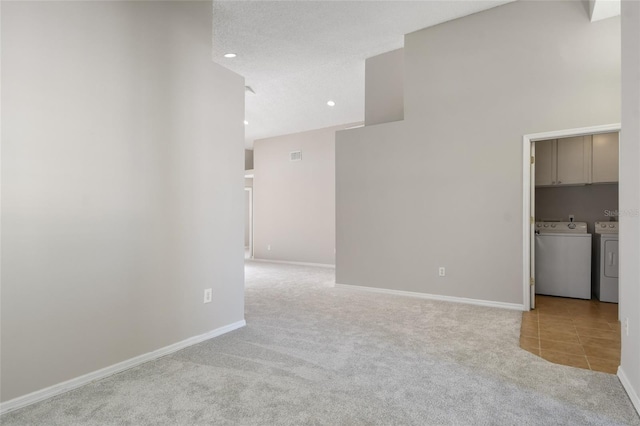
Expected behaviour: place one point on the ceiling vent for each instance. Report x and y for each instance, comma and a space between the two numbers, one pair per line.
295, 156
248, 89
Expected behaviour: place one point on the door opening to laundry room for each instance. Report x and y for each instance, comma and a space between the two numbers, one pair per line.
570, 184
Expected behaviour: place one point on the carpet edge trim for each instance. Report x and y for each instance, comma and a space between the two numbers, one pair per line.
454, 299
77, 382
631, 392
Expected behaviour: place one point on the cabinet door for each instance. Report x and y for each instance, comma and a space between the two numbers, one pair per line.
605, 158
545, 163
574, 160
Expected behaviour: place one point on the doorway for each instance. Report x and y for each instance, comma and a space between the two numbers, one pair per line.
529, 190
248, 221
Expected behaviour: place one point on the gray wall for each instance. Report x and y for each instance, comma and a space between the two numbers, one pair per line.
384, 88
294, 202
630, 195
121, 185
587, 203
444, 187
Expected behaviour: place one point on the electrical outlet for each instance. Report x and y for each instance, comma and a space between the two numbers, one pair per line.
208, 295
626, 326
269, 247
441, 271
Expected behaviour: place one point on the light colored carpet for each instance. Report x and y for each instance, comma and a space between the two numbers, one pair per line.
317, 355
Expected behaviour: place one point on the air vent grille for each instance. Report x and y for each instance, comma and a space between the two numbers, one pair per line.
295, 156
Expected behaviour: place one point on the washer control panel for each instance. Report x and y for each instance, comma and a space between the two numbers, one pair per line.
607, 227
561, 227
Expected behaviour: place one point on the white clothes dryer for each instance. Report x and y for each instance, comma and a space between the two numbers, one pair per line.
605, 285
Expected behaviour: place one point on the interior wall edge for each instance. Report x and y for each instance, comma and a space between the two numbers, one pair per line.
77, 382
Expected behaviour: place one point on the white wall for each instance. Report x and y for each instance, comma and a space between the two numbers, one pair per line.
294, 202
630, 199
122, 157
444, 187
384, 88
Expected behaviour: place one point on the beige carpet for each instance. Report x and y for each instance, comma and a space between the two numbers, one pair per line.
317, 355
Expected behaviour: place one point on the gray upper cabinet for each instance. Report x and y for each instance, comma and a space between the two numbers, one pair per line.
564, 161
574, 155
577, 160
546, 163
605, 158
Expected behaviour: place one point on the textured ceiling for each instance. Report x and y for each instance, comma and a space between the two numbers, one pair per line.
297, 55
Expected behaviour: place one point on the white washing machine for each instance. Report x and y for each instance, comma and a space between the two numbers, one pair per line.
605, 275
563, 259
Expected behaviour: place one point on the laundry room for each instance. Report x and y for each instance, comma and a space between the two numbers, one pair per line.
574, 265
577, 192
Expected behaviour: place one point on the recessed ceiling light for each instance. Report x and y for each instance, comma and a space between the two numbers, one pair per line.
331, 103
246, 122
229, 55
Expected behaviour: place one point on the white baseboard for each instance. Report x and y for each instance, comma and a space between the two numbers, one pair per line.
286, 262
626, 384
60, 388
488, 303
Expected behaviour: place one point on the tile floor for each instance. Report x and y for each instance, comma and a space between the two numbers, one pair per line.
574, 332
